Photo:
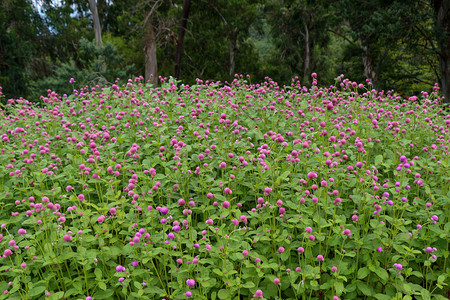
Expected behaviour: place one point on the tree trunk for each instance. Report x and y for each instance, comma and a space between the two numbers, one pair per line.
96, 20
180, 39
442, 14
307, 57
151, 64
369, 69
233, 49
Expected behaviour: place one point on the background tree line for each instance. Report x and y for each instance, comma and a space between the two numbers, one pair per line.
402, 45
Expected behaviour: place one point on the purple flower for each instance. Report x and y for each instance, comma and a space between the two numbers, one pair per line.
190, 282
135, 263
258, 294
120, 268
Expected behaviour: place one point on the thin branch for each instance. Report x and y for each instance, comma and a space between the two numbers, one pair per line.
156, 5
342, 36
427, 37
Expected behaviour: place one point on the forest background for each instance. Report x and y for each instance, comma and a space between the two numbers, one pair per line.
399, 45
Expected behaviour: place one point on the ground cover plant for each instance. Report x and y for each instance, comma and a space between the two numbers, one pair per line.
225, 191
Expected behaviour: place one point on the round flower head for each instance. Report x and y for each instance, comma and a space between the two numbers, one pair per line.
258, 294
190, 282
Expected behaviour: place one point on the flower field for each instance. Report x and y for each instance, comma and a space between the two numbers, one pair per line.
225, 191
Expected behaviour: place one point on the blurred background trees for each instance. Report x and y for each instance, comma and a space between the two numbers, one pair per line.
402, 45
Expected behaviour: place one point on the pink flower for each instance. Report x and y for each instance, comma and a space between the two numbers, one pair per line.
258, 294
227, 191
67, 237
7, 252
320, 257
312, 237
276, 281
267, 191
190, 282
281, 249
101, 219
21, 231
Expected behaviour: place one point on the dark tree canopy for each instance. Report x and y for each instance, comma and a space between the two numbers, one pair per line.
401, 45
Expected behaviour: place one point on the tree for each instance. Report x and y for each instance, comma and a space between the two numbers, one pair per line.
297, 28
96, 21
180, 39
23, 43
442, 29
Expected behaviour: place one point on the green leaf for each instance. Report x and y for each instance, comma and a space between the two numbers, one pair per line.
382, 297
219, 197
364, 288
224, 294
382, 273
417, 274
339, 287
363, 272
102, 285
378, 159
103, 294
153, 290
441, 279
218, 272
98, 273
248, 285
37, 290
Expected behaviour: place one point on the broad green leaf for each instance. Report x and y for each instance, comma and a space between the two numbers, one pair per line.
37, 290
339, 287
382, 273
100, 294
224, 294
363, 272
364, 288
102, 285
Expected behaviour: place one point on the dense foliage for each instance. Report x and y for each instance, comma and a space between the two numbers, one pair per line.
225, 191
398, 45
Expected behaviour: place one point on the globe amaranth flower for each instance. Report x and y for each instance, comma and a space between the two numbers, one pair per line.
258, 294
190, 282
